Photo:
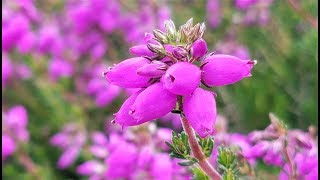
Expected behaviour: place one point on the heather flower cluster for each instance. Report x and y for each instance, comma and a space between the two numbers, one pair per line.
294, 151
135, 154
112, 89
163, 69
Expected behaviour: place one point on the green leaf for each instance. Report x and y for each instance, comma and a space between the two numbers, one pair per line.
170, 146
198, 174
186, 163
176, 155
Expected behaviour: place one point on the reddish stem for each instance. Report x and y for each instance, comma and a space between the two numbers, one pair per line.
197, 152
25, 160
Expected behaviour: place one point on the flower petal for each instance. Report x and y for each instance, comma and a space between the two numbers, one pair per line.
141, 50
153, 70
200, 111
220, 70
122, 116
182, 78
125, 74
152, 103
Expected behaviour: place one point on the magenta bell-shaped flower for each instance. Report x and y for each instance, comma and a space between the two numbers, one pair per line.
153, 70
200, 111
182, 78
152, 103
220, 70
125, 74
122, 116
199, 49
141, 50
90, 168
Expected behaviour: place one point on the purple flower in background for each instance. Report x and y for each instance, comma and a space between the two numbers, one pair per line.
214, 14
15, 123
232, 47
14, 130
70, 140
244, 4
13, 31
6, 70
127, 156
8, 146
174, 77
254, 11
59, 68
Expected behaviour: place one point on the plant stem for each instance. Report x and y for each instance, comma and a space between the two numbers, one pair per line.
292, 174
197, 152
25, 160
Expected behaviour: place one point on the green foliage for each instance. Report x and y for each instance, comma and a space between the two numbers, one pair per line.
180, 149
198, 174
206, 144
227, 163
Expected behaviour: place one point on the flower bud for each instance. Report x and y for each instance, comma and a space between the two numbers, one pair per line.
125, 74
153, 70
170, 28
200, 111
220, 70
155, 47
182, 78
179, 52
161, 36
152, 103
141, 50
199, 49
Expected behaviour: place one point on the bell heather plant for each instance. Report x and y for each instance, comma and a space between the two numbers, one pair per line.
165, 70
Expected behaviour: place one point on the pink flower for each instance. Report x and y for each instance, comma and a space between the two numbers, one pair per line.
152, 103
122, 116
182, 78
125, 74
122, 161
221, 70
68, 157
141, 50
200, 110
153, 70
162, 167
60, 68
8, 146
7, 70
90, 168
199, 48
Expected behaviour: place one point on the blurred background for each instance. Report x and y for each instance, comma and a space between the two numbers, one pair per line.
54, 53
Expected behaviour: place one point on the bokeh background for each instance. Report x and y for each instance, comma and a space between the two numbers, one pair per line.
54, 52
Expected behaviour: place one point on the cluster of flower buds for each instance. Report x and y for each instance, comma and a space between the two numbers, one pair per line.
165, 73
